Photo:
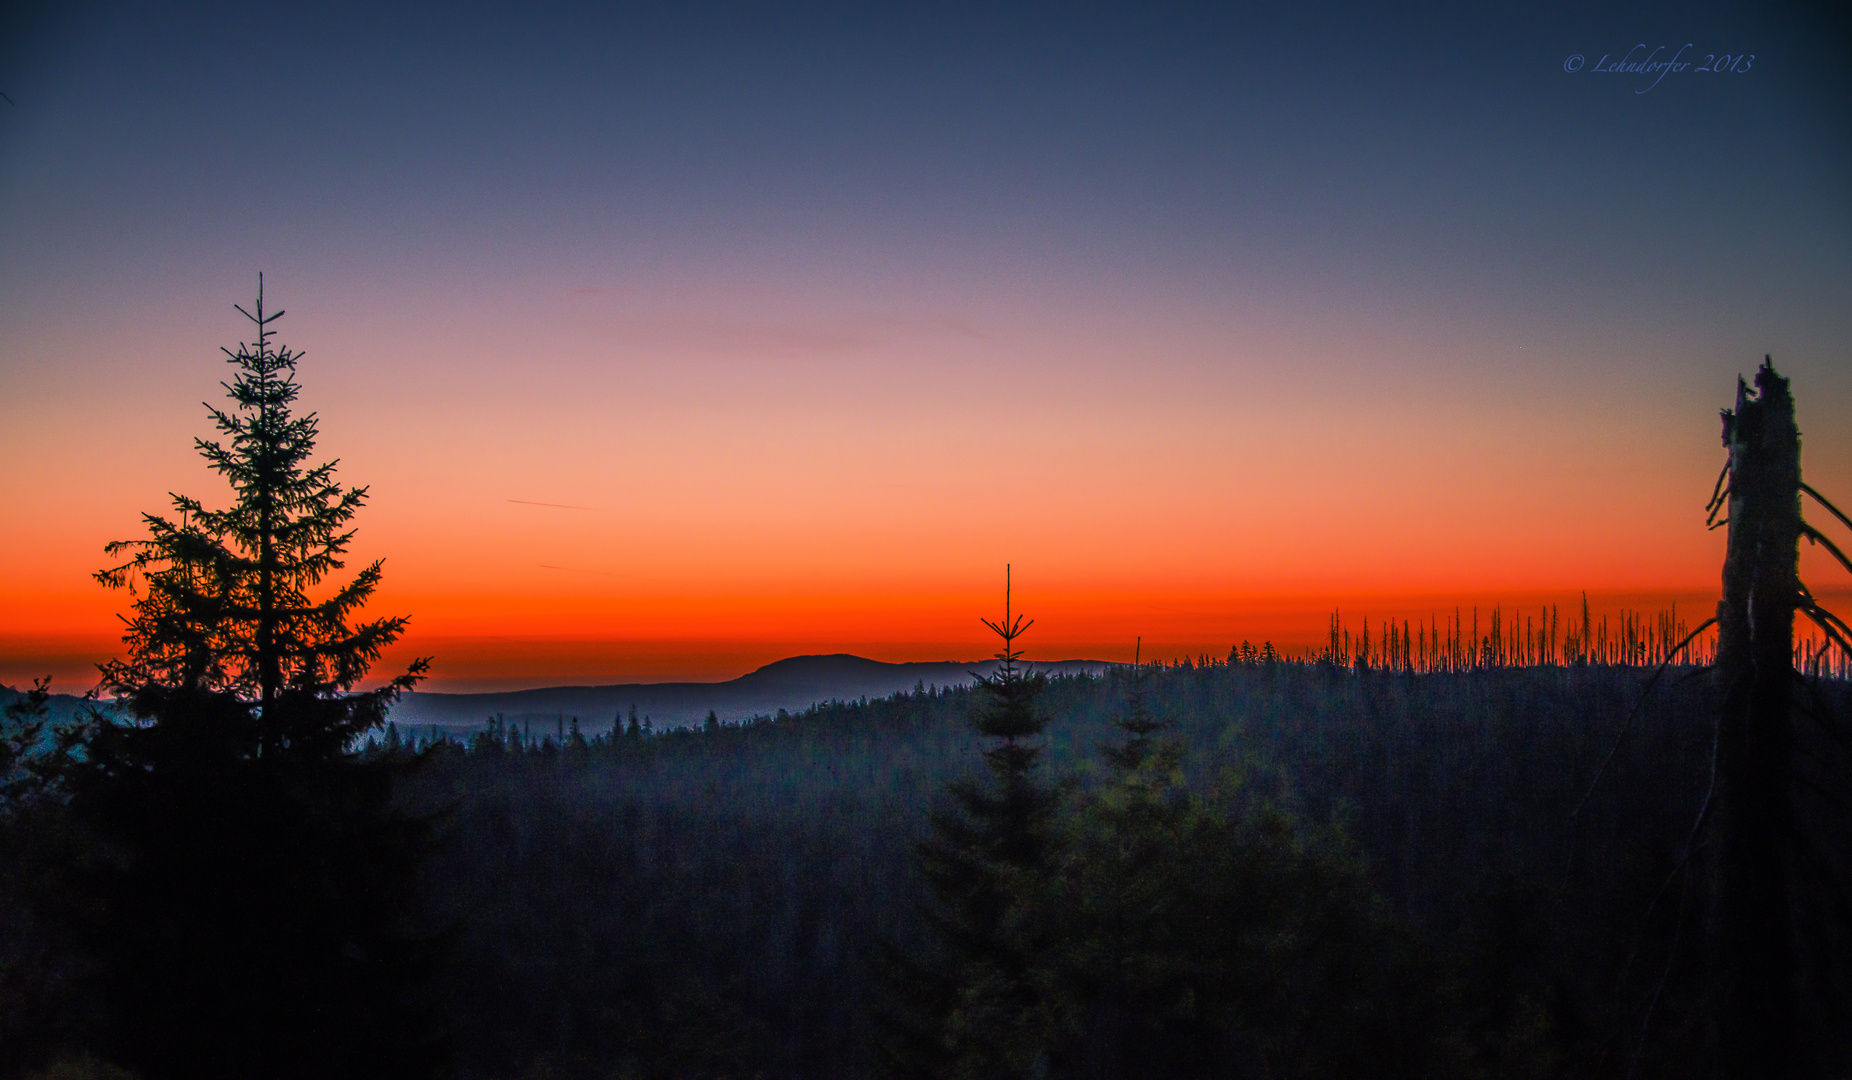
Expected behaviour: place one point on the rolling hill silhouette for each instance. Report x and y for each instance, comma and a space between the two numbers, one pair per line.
792, 684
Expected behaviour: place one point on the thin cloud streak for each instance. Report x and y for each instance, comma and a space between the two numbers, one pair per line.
556, 506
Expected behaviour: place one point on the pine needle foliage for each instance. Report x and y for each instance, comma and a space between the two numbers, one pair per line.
226, 607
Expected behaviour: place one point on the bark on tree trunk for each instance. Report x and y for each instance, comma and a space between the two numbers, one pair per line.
1751, 951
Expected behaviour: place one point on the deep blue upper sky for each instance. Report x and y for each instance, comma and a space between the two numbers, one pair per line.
1336, 143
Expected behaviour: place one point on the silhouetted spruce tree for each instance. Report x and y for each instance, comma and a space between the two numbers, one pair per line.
1118, 968
252, 880
1136, 722
984, 1003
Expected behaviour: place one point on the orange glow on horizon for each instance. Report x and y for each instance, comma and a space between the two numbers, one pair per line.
712, 642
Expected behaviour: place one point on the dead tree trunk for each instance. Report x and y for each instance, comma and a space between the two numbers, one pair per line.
1751, 951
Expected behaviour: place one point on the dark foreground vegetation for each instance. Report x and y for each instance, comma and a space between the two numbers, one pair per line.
1339, 872
1439, 852
1316, 871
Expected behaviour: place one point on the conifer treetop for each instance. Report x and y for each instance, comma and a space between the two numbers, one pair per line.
227, 606
1012, 714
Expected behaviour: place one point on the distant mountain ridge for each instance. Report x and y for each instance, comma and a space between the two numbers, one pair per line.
59, 708
793, 684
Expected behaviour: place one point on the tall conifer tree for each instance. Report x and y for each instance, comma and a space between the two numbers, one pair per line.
227, 608
252, 878
985, 1006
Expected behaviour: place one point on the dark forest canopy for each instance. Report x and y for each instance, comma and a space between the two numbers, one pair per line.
711, 902
1506, 915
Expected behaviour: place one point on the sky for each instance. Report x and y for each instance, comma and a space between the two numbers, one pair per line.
670, 340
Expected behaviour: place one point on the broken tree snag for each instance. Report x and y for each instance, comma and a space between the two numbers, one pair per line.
1752, 962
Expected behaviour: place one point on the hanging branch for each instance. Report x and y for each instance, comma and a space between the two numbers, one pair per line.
1719, 495
1821, 499
1678, 934
1628, 725
1827, 621
1814, 537
1679, 866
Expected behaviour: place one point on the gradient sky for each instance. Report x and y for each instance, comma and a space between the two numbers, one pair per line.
672, 340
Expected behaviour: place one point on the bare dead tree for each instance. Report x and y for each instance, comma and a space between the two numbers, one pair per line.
1753, 955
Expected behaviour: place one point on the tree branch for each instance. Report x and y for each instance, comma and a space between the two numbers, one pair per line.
1813, 535
1821, 499
1628, 725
